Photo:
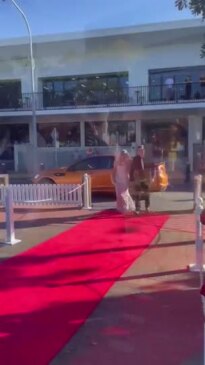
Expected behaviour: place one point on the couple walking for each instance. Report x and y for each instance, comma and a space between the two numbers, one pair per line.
130, 181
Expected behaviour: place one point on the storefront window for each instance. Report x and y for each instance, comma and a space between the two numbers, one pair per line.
86, 90
122, 133
59, 134
177, 84
11, 134
166, 141
10, 94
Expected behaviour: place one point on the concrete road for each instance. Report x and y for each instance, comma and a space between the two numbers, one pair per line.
169, 201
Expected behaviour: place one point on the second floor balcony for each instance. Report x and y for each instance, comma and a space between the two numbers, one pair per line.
88, 98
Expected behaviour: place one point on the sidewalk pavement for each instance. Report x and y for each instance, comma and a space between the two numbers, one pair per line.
153, 314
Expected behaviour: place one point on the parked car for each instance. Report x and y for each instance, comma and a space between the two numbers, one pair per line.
100, 169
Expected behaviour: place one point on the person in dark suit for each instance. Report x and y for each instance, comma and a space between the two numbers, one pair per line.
138, 181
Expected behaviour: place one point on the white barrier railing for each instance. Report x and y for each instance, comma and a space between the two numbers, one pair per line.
51, 194
202, 292
9, 213
43, 194
198, 208
87, 199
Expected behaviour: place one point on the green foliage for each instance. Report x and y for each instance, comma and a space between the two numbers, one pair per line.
197, 7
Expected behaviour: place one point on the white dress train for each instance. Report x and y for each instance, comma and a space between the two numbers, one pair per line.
124, 201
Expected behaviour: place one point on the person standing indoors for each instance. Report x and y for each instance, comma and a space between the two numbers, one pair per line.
169, 88
188, 88
120, 178
138, 182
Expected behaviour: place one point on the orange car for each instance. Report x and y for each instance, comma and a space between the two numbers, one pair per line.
100, 169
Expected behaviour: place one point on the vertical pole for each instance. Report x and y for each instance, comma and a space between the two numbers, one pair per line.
203, 307
204, 343
10, 232
33, 96
198, 205
89, 192
86, 192
197, 188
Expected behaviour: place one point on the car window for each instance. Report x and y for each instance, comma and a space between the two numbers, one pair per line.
88, 164
106, 162
94, 163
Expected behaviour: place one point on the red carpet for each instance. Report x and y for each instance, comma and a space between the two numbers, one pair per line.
47, 293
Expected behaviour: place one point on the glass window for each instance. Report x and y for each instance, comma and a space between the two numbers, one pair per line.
96, 134
122, 133
11, 134
10, 94
106, 162
91, 163
94, 163
86, 90
155, 87
181, 84
59, 134
167, 141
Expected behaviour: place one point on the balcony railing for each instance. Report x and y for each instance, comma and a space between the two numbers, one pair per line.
130, 96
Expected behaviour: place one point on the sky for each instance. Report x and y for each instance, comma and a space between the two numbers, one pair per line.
60, 16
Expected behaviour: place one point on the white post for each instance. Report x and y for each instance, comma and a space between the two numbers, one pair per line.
198, 205
197, 188
204, 342
87, 192
33, 96
10, 232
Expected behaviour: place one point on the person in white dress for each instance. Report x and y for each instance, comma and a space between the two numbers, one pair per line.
120, 178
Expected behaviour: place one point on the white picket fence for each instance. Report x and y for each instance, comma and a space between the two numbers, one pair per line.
50, 194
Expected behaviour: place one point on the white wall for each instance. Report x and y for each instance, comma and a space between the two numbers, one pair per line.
101, 56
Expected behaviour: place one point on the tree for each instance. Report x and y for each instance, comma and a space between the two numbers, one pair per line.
197, 7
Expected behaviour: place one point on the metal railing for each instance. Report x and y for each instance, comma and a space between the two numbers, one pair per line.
139, 95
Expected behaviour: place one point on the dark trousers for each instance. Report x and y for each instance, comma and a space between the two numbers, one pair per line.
141, 193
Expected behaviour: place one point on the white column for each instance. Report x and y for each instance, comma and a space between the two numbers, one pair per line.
138, 137
194, 134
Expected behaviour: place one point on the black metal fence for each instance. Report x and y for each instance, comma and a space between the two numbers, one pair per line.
140, 95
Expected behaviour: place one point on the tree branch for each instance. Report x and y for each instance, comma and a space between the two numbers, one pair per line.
197, 7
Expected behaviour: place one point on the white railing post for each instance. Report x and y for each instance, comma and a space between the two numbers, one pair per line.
9, 213
197, 188
202, 292
198, 208
87, 203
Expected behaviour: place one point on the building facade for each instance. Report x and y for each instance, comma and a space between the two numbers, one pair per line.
103, 90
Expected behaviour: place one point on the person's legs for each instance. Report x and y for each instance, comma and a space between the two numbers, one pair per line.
137, 202
124, 200
147, 201
146, 195
119, 198
137, 196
